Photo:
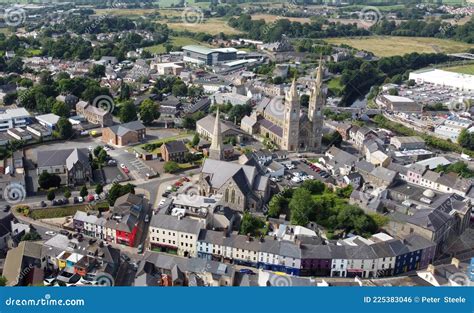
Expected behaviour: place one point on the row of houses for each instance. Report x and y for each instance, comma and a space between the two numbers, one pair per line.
122, 225
372, 258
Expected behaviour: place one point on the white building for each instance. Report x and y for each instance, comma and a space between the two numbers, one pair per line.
172, 233
11, 118
443, 78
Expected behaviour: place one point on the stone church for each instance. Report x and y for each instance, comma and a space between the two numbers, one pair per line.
284, 122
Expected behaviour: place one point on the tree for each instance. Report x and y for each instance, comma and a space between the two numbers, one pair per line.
171, 167
102, 157
10, 98
277, 205
3, 281
466, 139
31, 236
65, 128
149, 111
128, 112
47, 180
118, 190
344, 192
195, 140
84, 192
60, 108
251, 225
179, 89
97, 71
51, 195
67, 193
124, 92
99, 189
315, 187
301, 206
237, 112
97, 150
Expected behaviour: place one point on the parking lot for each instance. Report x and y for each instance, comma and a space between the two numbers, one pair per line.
300, 167
429, 94
138, 170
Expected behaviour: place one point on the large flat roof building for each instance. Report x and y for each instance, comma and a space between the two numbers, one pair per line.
443, 78
205, 56
11, 118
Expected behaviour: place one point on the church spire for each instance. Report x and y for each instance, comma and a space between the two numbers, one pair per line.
215, 151
319, 73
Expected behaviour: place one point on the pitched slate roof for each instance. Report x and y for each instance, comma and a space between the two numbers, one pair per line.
122, 129
175, 146
219, 172
68, 157
186, 225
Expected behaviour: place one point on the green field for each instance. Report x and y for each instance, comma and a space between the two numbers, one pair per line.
175, 41
463, 69
336, 86
384, 46
55, 212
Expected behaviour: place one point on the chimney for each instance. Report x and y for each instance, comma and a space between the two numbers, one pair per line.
431, 269
249, 238
455, 262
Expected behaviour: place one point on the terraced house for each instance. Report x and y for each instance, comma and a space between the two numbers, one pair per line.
378, 256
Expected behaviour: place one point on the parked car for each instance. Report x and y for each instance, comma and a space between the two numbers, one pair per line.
50, 233
147, 218
80, 199
64, 232
43, 204
75, 200
65, 201
59, 202
140, 248
96, 197
90, 198
246, 271
112, 162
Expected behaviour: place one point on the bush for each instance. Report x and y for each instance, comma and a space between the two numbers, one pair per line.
171, 167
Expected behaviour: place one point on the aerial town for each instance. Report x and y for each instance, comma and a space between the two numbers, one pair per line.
236, 143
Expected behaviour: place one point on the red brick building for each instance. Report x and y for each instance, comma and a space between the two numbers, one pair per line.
124, 134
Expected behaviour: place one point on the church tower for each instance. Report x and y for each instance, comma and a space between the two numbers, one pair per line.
291, 119
216, 149
317, 101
